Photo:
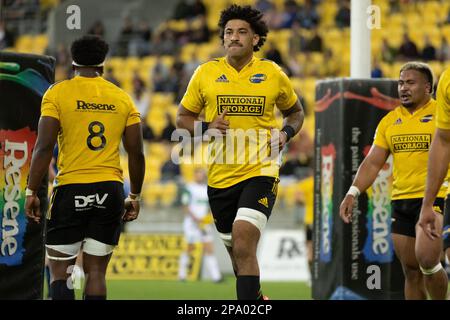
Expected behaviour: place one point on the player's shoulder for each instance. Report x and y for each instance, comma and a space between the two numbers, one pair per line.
269, 64
392, 116
444, 79
58, 85
212, 63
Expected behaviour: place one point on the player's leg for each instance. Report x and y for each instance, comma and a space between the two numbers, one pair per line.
403, 236
428, 254
102, 236
309, 249
223, 203
210, 259
95, 264
191, 235
63, 241
255, 206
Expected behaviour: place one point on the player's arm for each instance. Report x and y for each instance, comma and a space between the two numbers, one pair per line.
48, 129
132, 141
292, 123
439, 157
188, 120
366, 175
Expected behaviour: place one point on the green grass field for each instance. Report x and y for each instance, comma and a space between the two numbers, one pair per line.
200, 290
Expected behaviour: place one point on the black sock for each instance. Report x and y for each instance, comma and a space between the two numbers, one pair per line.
247, 287
60, 291
89, 297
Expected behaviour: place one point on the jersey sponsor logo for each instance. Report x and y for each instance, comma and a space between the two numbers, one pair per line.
258, 78
426, 118
411, 142
264, 202
83, 105
378, 245
241, 105
222, 78
93, 200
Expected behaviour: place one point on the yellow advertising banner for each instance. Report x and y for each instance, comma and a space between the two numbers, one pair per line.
152, 257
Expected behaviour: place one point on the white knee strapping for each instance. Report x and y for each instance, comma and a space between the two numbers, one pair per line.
97, 248
70, 249
226, 238
429, 272
255, 217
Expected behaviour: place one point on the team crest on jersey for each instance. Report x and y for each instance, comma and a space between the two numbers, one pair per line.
258, 78
426, 118
398, 121
222, 78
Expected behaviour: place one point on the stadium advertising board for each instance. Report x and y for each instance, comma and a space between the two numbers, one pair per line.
152, 257
346, 256
23, 81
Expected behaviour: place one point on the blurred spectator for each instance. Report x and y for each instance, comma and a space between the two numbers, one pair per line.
202, 33
159, 75
166, 134
110, 76
274, 54
294, 66
444, 50
289, 14
388, 53
97, 29
168, 42
183, 10
429, 51
125, 36
308, 16
297, 42
198, 8
264, 5
140, 43
342, 17
315, 43
141, 99
331, 66
408, 49
376, 70
299, 157
7, 37
170, 171
191, 65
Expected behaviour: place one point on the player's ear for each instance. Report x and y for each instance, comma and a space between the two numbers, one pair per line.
255, 39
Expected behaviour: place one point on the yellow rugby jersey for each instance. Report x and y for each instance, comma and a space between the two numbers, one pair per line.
443, 106
307, 187
408, 137
250, 97
93, 114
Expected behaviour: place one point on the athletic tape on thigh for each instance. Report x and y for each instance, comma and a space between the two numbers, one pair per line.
97, 248
429, 272
226, 238
255, 217
70, 249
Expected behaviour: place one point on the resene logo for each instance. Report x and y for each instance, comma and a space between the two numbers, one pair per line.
378, 246
241, 105
16, 147
83, 105
326, 190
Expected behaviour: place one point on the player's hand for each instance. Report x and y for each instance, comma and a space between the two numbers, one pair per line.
220, 123
346, 208
427, 221
33, 208
132, 208
278, 139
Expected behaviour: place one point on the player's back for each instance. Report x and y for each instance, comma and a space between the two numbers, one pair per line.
93, 114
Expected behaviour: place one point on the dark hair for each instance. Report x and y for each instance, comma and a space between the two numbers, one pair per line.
248, 14
89, 50
423, 68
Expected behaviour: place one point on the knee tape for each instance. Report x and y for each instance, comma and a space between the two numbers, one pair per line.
430, 271
255, 217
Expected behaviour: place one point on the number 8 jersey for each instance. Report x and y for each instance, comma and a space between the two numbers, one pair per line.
93, 114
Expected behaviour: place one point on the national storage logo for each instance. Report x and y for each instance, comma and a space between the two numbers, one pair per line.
411, 142
241, 105
326, 190
378, 246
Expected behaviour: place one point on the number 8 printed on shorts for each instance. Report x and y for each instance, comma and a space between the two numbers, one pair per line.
94, 133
